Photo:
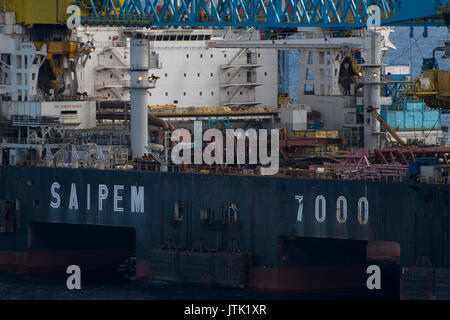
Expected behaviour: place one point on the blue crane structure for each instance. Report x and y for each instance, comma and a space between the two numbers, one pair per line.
341, 14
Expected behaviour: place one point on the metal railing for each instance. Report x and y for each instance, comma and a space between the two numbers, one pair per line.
22, 119
139, 84
282, 173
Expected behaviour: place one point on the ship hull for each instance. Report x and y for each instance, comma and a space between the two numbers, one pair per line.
270, 233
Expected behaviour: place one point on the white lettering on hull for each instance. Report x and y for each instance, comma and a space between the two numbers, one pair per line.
102, 195
73, 202
137, 197
117, 198
320, 206
137, 200
55, 204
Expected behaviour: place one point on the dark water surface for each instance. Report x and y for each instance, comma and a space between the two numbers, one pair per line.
19, 286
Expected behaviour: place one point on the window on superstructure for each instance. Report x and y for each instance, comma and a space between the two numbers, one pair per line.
200, 93
184, 93
310, 58
26, 62
212, 93
321, 57
179, 37
322, 74
165, 75
165, 38
225, 55
158, 37
69, 112
309, 89
110, 57
186, 37
328, 58
201, 56
212, 55
187, 56
207, 37
33, 76
201, 37
185, 75
309, 74
198, 74
167, 94
193, 37
152, 38
265, 74
173, 38
212, 75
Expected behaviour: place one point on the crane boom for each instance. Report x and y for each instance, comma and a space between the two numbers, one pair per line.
272, 14
341, 14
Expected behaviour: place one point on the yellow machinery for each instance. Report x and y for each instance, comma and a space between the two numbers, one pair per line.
168, 110
31, 12
58, 53
433, 88
349, 73
284, 98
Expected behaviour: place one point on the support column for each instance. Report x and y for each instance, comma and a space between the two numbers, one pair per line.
139, 65
372, 91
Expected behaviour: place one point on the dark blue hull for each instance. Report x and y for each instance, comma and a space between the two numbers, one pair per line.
266, 232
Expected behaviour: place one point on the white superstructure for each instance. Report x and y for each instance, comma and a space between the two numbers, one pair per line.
345, 108
21, 99
191, 71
